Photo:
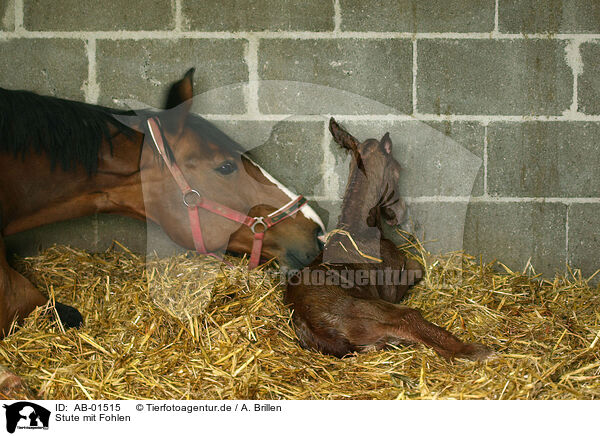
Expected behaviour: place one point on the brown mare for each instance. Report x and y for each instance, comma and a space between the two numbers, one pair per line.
61, 159
350, 312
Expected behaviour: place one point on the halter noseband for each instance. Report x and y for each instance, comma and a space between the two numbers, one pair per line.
194, 201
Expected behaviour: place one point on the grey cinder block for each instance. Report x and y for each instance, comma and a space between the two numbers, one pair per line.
57, 67
493, 77
99, 15
584, 238
378, 70
246, 15
144, 70
549, 16
514, 232
418, 15
544, 159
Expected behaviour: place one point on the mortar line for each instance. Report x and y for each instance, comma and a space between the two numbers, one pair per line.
567, 235
485, 160
485, 119
573, 59
415, 69
502, 200
337, 16
92, 89
496, 200
252, 107
19, 16
496, 30
178, 17
318, 197
176, 34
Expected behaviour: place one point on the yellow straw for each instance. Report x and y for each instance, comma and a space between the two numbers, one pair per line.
349, 236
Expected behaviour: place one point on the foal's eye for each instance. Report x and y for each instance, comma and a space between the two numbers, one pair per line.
226, 168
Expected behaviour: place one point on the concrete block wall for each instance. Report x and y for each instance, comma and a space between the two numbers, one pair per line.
516, 82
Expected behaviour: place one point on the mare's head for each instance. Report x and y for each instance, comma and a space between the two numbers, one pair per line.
374, 176
216, 167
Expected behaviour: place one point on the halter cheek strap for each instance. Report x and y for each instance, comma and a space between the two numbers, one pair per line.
194, 201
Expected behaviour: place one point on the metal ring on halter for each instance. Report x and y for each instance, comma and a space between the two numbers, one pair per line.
193, 191
258, 220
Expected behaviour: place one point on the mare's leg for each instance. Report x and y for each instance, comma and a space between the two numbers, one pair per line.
18, 298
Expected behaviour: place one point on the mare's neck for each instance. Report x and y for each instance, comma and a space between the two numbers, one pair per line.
49, 195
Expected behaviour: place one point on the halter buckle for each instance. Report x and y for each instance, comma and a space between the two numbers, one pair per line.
196, 203
258, 220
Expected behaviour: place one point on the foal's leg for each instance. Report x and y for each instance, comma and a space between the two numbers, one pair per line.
12, 386
376, 323
18, 298
403, 274
329, 320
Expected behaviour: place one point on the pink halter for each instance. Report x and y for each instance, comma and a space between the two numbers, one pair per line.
194, 201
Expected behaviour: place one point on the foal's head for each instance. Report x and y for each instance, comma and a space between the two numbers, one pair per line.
215, 166
371, 194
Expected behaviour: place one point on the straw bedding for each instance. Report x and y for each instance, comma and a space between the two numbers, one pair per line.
230, 337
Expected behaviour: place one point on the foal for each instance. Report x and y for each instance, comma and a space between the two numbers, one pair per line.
354, 311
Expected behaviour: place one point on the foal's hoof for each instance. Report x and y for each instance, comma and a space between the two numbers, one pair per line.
475, 352
69, 316
12, 386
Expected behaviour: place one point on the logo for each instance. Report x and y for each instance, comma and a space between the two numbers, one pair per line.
26, 415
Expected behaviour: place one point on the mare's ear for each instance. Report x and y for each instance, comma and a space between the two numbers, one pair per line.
179, 102
342, 137
182, 91
386, 143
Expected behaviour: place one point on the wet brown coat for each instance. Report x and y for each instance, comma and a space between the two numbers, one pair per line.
338, 319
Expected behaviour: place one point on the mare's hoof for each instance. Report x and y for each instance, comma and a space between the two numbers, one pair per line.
12, 386
69, 316
475, 352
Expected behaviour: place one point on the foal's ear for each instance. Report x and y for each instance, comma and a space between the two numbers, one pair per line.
386, 143
342, 137
179, 102
346, 140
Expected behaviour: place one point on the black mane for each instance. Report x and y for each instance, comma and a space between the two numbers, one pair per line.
69, 132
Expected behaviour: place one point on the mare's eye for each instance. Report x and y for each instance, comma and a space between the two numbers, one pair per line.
226, 168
